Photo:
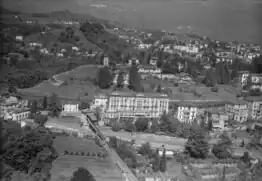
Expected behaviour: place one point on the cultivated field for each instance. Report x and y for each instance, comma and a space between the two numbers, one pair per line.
103, 170
73, 144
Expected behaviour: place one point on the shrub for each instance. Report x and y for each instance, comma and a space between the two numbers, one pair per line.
82, 153
93, 154
72, 153
214, 89
76, 153
87, 154
116, 127
145, 149
66, 152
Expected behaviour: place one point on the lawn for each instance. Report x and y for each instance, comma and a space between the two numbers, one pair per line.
102, 169
74, 144
81, 72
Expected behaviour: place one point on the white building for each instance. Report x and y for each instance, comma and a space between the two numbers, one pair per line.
19, 38
254, 107
237, 110
100, 100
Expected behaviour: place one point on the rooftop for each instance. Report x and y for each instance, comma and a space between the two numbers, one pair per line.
135, 94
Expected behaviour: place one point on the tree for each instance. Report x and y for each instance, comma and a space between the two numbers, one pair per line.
163, 161
35, 146
156, 161
223, 148
12, 90
33, 108
54, 105
141, 124
41, 119
197, 144
214, 89
210, 124
145, 149
134, 79
104, 78
130, 127
120, 80
44, 103
82, 174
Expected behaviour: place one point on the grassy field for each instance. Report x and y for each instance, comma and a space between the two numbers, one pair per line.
103, 170
73, 144
65, 165
82, 72
85, 89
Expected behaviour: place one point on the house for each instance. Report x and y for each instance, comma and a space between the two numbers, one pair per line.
153, 61
106, 61
44, 51
70, 106
19, 38
59, 54
34, 44
254, 107
130, 104
149, 69
100, 100
218, 118
75, 48
133, 61
237, 110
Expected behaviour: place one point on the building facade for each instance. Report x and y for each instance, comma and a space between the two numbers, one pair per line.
237, 111
129, 104
254, 107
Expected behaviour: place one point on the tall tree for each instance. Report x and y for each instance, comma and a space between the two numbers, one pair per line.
163, 161
54, 105
156, 161
134, 79
44, 105
104, 78
120, 80
33, 107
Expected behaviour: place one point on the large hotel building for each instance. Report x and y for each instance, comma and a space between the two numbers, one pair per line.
129, 104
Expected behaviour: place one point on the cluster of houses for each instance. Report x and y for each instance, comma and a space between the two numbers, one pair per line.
14, 109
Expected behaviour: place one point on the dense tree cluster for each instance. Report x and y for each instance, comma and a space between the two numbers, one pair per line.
28, 150
197, 144
223, 148
134, 79
104, 78
68, 36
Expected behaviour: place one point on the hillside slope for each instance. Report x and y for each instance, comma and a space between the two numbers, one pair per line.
112, 45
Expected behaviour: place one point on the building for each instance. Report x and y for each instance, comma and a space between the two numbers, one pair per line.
153, 61
254, 107
218, 118
237, 110
129, 104
106, 61
100, 100
149, 69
